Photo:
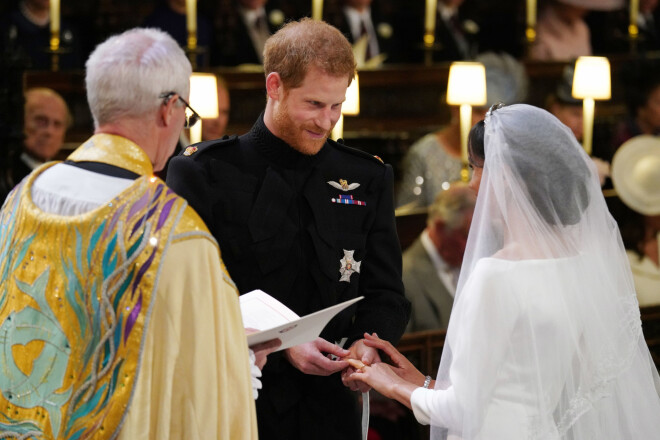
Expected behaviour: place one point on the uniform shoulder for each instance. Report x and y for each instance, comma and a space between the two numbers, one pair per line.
197, 150
339, 145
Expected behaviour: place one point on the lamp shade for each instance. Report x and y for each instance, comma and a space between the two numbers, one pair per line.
592, 78
204, 94
351, 105
467, 84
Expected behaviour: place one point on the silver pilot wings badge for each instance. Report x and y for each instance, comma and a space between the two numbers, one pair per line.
343, 185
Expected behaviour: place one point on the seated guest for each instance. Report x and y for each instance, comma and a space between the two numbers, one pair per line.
610, 29
435, 159
455, 34
641, 81
359, 18
46, 120
562, 33
170, 16
243, 30
432, 264
636, 173
25, 30
647, 24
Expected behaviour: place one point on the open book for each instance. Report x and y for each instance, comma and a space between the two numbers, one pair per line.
275, 320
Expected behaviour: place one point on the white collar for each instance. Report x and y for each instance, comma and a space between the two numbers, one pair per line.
437, 260
446, 12
31, 161
251, 15
447, 274
354, 14
355, 20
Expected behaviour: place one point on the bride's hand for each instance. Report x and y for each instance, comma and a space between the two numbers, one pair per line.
401, 366
378, 376
383, 378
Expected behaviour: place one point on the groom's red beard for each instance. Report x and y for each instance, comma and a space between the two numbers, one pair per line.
295, 134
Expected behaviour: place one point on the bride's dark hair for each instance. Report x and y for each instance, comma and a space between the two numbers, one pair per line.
555, 175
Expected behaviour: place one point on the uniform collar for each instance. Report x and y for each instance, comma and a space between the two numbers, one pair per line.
278, 151
114, 150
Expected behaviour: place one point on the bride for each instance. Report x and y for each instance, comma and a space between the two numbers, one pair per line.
544, 339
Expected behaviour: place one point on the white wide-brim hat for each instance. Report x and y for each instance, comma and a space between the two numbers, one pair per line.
636, 174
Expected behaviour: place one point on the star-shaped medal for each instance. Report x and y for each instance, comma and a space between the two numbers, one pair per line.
348, 266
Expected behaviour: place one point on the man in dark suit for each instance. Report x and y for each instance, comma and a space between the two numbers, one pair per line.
432, 263
170, 16
455, 34
243, 31
25, 31
309, 221
359, 18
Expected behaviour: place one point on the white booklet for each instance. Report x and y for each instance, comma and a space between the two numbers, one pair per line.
275, 320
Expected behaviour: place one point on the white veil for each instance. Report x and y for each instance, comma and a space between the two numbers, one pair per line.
545, 339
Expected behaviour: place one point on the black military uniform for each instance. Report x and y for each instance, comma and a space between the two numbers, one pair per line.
284, 222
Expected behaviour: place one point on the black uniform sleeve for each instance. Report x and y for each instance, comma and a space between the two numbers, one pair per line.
384, 309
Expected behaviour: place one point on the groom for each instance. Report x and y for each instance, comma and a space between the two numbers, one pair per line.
287, 224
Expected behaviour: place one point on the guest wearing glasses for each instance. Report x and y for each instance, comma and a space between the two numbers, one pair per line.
46, 121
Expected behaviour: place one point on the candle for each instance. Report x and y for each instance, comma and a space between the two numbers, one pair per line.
466, 121
431, 12
54, 16
634, 11
196, 133
317, 10
531, 14
338, 130
191, 16
588, 106
657, 238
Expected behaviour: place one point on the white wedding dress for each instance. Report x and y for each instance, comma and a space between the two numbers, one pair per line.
544, 340
508, 292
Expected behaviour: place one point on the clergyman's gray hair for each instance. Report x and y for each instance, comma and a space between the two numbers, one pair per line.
127, 73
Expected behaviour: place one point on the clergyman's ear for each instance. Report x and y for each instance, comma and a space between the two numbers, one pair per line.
166, 111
